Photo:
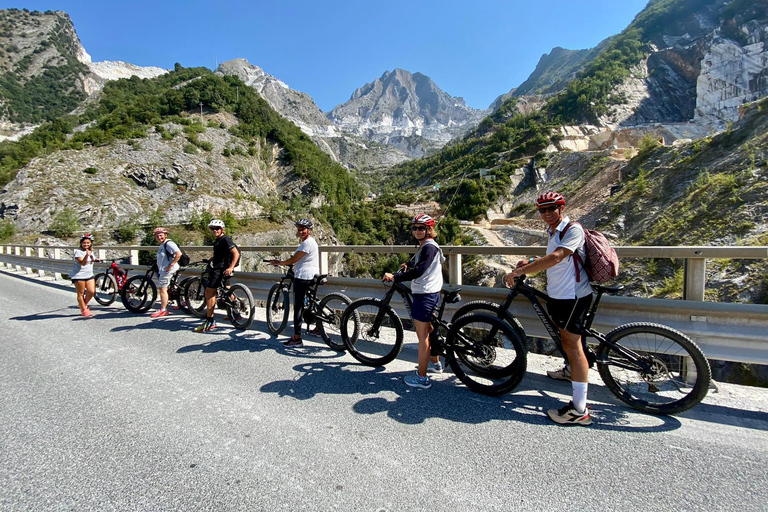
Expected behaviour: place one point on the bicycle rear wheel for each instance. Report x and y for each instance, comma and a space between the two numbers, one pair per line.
138, 294
278, 307
664, 371
330, 310
194, 296
372, 332
106, 289
181, 288
240, 306
486, 354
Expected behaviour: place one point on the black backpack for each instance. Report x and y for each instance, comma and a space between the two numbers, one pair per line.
183, 261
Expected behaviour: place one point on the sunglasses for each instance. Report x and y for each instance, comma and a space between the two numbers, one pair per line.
548, 209
215, 229
419, 228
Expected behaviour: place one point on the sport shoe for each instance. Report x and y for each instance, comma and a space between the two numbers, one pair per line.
295, 341
205, 326
87, 313
563, 373
158, 314
417, 381
435, 367
568, 415
315, 331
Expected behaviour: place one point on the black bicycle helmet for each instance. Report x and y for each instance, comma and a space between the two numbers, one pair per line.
305, 223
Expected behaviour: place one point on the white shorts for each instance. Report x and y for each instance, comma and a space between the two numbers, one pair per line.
164, 279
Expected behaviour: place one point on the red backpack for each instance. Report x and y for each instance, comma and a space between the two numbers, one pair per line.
602, 262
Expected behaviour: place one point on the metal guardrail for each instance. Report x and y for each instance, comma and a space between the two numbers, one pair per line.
725, 331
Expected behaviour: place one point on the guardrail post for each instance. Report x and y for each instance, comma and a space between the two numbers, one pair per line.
694, 278
454, 268
56, 256
5, 249
134, 256
323, 262
17, 252
28, 254
101, 254
41, 254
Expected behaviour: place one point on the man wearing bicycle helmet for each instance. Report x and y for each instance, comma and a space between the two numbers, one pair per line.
306, 265
570, 300
168, 254
425, 272
225, 258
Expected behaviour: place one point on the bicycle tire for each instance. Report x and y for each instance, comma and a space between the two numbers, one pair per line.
491, 308
666, 390
370, 344
486, 354
182, 288
138, 294
278, 308
106, 289
194, 296
330, 310
240, 308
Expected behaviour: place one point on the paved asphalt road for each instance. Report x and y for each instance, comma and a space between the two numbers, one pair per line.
122, 412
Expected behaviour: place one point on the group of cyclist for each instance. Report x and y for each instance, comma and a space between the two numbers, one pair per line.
570, 291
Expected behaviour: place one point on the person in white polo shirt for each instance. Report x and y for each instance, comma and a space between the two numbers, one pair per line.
570, 300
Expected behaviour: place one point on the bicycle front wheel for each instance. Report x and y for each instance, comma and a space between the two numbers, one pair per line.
330, 310
106, 289
138, 294
372, 332
240, 306
278, 308
194, 297
486, 354
654, 368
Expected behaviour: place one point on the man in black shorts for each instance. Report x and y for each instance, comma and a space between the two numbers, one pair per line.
571, 295
225, 259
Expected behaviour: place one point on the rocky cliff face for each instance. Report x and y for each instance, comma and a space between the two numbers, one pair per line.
301, 109
407, 111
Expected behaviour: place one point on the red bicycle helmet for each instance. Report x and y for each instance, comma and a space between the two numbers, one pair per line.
550, 198
87, 236
425, 219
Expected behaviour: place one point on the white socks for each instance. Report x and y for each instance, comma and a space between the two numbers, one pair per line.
579, 396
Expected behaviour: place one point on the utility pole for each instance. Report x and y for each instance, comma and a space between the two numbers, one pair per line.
201, 112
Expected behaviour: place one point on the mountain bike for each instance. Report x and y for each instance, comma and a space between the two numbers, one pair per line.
379, 340
650, 367
235, 299
108, 284
325, 312
139, 292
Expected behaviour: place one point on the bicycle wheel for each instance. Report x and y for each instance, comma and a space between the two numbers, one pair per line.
372, 332
330, 310
138, 294
486, 354
106, 289
194, 296
181, 288
278, 308
240, 306
671, 375
490, 308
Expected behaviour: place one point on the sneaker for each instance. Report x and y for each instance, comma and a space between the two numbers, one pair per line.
314, 332
295, 341
417, 381
205, 326
563, 373
568, 415
435, 367
158, 314
87, 312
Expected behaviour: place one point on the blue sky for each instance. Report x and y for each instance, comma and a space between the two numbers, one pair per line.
328, 48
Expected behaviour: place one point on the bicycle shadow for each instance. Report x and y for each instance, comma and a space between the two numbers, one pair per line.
446, 399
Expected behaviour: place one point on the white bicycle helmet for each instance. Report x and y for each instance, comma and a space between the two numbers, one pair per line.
216, 223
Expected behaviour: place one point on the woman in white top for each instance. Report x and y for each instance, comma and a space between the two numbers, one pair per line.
82, 274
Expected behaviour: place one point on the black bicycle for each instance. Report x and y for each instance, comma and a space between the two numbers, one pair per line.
325, 312
650, 367
477, 359
140, 292
235, 299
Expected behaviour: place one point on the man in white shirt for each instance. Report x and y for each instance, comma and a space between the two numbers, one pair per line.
571, 296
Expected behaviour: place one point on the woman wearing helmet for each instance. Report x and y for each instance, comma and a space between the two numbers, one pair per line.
226, 256
570, 300
168, 254
425, 272
82, 274
306, 264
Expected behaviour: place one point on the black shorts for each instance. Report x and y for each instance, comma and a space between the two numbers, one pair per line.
84, 279
213, 277
569, 314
